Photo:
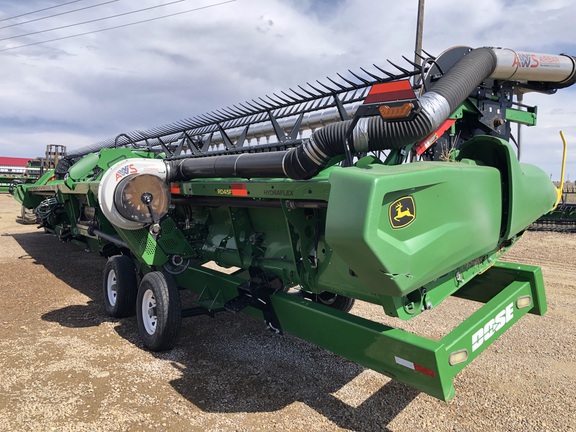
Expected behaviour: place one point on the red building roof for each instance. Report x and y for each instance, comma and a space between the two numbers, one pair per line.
14, 161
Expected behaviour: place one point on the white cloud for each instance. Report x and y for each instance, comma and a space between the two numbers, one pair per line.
81, 90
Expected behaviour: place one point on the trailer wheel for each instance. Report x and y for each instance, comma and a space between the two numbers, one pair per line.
158, 311
120, 286
335, 301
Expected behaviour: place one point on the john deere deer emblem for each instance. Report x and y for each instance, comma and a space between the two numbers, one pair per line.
402, 212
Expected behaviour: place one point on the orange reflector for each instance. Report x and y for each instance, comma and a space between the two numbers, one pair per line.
523, 302
174, 188
239, 189
398, 112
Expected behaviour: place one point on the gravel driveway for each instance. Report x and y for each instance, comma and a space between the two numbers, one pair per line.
66, 366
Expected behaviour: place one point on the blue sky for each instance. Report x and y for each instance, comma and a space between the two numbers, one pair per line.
81, 90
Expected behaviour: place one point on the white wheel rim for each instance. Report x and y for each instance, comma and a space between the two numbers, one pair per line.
112, 287
149, 318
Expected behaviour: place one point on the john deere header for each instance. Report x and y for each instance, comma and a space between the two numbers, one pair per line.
395, 188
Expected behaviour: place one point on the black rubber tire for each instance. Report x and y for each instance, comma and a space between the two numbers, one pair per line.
13, 184
120, 270
158, 295
335, 301
27, 216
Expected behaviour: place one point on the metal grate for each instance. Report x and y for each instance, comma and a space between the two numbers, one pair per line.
562, 219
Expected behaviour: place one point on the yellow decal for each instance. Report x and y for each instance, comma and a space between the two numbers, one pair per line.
402, 212
224, 191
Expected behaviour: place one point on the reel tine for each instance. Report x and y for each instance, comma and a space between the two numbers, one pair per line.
400, 68
282, 99
365, 81
308, 92
389, 74
322, 93
292, 98
352, 83
376, 77
416, 65
302, 98
337, 84
267, 103
429, 55
330, 89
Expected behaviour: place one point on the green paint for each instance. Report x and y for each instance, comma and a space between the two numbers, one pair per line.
402, 236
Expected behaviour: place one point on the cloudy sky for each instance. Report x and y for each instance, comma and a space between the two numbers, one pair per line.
79, 90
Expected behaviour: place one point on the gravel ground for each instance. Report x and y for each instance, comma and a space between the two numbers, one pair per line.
66, 366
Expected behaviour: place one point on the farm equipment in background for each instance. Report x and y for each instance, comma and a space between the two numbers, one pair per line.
29, 171
34, 169
308, 198
15, 171
561, 219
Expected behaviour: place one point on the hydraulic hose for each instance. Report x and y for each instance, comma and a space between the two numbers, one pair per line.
373, 133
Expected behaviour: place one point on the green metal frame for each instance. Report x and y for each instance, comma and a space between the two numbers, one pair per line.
348, 247
422, 363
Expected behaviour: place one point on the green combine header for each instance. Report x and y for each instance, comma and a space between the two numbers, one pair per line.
399, 189
14, 170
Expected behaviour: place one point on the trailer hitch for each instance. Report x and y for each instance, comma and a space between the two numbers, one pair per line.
256, 293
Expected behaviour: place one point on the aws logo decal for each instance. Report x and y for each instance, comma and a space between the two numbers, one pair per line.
402, 212
125, 170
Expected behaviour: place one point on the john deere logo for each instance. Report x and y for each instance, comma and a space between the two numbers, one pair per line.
402, 212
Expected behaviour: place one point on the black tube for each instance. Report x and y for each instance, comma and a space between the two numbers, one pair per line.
93, 231
245, 165
465, 76
370, 134
452, 89
248, 202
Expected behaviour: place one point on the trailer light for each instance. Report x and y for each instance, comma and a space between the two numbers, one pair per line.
396, 112
458, 357
523, 302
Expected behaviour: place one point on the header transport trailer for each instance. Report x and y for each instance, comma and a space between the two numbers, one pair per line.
395, 188
14, 170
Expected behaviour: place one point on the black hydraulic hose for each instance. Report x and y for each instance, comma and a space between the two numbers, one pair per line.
465, 76
245, 165
370, 134
375, 134
249, 202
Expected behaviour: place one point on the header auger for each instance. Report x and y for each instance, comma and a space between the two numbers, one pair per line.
365, 187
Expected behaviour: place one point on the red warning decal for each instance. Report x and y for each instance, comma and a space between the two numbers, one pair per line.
390, 92
425, 144
414, 366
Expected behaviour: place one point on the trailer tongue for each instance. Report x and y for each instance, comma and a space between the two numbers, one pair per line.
309, 198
